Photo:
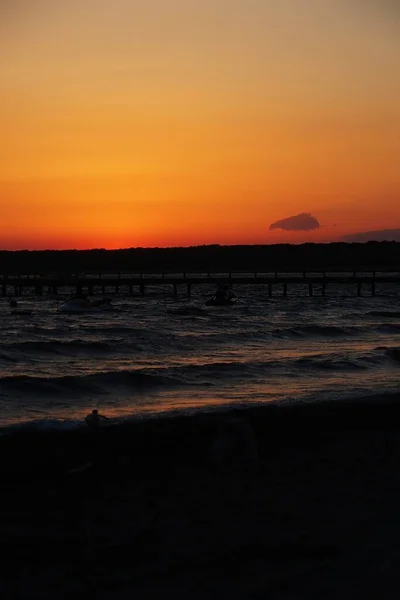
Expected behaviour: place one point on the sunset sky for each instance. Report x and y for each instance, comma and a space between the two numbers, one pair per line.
182, 122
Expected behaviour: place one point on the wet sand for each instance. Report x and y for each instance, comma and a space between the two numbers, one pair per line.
285, 502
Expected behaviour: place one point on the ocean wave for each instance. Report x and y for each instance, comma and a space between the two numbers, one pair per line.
139, 343
104, 382
132, 341
333, 364
315, 330
136, 380
7, 358
383, 313
333, 331
219, 370
117, 330
393, 353
377, 357
196, 374
388, 328
58, 346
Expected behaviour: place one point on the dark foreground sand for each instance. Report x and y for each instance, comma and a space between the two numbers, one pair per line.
190, 508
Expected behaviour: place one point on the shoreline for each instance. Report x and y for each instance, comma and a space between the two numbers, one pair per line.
182, 505
63, 424
281, 421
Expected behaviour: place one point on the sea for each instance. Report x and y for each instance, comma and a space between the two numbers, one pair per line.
159, 355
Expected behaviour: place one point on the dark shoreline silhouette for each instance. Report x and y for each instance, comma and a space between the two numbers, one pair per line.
143, 510
205, 258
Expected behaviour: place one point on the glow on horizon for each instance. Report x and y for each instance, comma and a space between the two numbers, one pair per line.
167, 123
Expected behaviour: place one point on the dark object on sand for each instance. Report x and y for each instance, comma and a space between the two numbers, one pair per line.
235, 445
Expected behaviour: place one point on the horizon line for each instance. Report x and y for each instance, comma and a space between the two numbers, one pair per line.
128, 248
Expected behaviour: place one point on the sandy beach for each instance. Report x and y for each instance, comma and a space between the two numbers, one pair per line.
190, 507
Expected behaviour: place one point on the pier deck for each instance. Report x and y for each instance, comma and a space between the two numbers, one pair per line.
16, 284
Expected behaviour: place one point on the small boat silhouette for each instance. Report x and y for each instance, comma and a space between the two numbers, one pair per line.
84, 305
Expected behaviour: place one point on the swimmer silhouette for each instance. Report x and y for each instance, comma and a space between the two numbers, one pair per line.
93, 420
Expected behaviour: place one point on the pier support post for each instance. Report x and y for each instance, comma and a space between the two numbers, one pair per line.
359, 289
324, 289
4, 288
270, 290
141, 288
130, 290
38, 289
90, 290
175, 289
189, 290
285, 289
373, 290
310, 289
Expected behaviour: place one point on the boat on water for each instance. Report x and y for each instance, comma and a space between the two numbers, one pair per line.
17, 311
223, 296
84, 305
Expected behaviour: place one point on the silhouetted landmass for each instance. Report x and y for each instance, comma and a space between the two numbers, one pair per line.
382, 235
211, 258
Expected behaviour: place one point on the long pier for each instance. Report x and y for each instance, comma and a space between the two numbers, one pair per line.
91, 284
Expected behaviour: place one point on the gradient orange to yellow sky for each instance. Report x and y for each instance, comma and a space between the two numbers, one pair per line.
175, 122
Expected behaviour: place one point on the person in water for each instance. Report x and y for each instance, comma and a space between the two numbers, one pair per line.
220, 294
224, 294
94, 419
229, 295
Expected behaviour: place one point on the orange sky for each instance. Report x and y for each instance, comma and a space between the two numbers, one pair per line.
168, 122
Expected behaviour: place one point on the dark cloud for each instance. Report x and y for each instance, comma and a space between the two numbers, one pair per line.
22, 9
391, 6
301, 222
388, 8
382, 235
377, 12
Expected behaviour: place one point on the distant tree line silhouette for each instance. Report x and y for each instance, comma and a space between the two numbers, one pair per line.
212, 258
